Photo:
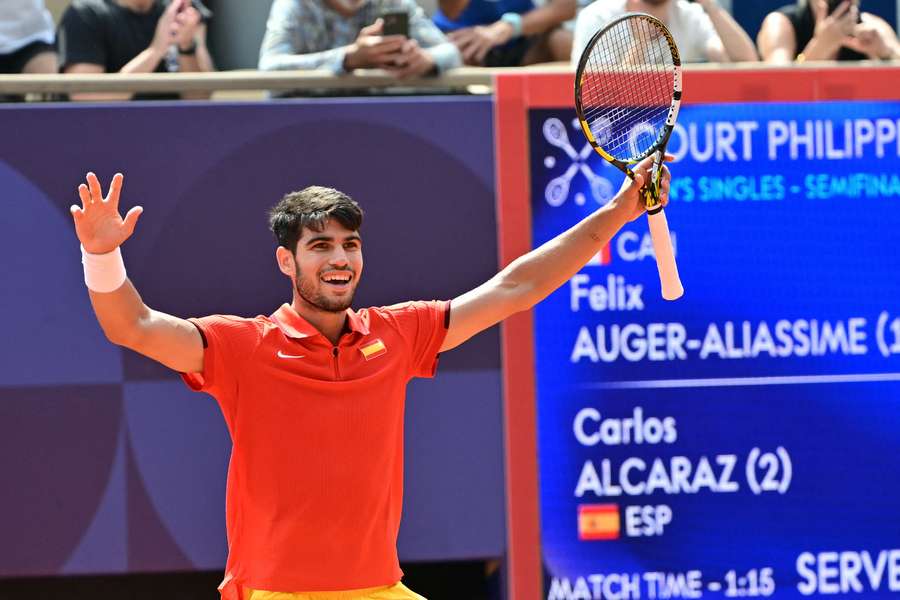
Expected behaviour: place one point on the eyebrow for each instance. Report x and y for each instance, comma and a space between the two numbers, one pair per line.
328, 238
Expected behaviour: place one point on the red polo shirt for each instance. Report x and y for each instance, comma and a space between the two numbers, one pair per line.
315, 481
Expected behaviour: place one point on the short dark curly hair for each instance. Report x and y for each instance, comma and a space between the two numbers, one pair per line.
312, 207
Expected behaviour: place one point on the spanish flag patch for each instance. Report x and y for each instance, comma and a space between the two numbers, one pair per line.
598, 521
373, 349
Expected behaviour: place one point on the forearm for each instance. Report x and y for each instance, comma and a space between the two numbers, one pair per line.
120, 313
891, 43
738, 45
545, 18
535, 275
198, 62
145, 62
819, 49
893, 52
332, 60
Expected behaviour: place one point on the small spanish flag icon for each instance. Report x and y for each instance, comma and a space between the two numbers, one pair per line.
373, 349
598, 521
604, 257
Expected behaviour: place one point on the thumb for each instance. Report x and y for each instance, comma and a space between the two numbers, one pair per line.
131, 219
638, 181
643, 168
373, 29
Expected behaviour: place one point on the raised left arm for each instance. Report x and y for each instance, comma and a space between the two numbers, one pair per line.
535, 275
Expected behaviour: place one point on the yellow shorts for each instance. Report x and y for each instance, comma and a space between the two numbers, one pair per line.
398, 591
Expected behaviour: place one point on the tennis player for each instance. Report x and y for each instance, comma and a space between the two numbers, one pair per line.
313, 395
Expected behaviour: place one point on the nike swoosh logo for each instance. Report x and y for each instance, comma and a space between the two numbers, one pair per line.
283, 355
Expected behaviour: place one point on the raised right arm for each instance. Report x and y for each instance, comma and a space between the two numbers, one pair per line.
122, 314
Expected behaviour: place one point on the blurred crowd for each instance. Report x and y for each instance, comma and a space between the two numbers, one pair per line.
397, 36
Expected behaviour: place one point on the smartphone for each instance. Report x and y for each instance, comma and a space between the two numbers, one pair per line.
396, 23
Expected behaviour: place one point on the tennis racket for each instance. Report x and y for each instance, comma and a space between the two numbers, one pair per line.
627, 95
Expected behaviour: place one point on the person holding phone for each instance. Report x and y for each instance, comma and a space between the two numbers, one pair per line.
825, 30
133, 36
343, 35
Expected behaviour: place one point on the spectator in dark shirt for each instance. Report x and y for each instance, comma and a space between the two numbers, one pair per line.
133, 36
825, 30
26, 37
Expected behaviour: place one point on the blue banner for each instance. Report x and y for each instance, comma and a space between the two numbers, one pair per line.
741, 441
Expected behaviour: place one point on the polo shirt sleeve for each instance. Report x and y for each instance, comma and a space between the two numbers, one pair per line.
228, 343
80, 38
423, 326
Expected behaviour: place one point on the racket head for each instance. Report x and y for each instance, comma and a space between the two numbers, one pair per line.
628, 89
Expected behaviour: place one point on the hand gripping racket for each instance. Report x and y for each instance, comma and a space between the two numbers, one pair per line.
627, 95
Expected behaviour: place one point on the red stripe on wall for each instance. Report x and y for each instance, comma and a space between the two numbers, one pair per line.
517, 345
714, 83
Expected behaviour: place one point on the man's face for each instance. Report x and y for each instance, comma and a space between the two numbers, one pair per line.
328, 266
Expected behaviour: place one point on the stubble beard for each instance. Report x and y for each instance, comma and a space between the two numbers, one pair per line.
307, 291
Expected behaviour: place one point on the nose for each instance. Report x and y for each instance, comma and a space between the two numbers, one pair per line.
339, 258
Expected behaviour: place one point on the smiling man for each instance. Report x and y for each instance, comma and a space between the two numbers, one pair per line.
313, 394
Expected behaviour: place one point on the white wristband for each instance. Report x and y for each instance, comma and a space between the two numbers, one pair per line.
515, 21
103, 273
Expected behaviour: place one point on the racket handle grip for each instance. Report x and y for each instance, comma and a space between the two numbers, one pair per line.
665, 256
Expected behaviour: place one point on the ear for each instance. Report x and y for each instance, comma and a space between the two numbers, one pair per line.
285, 261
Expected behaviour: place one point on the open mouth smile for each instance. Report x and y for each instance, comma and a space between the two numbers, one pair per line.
337, 279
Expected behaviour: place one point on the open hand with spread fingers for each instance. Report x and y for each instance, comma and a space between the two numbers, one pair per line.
98, 224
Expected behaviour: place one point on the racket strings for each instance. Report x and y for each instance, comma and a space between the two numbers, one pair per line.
637, 74
626, 87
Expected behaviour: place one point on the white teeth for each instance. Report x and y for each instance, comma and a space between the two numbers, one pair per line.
337, 278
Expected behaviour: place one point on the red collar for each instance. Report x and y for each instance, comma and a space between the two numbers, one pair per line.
295, 326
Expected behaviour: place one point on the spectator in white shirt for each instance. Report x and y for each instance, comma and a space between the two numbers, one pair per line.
26, 38
703, 30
